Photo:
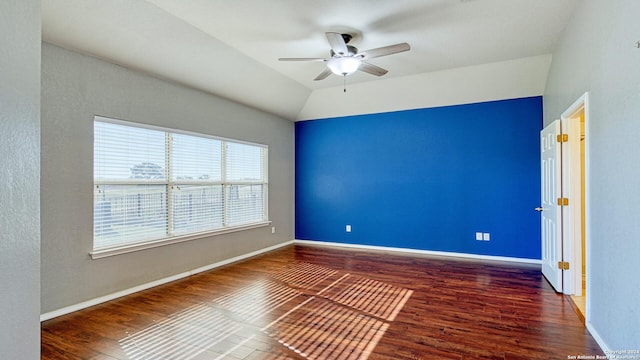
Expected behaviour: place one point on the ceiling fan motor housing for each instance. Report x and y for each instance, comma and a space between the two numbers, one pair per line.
346, 60
352, 51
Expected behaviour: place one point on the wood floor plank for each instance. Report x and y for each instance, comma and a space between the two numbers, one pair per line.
325, 303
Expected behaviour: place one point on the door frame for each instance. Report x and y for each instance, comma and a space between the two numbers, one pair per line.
571, 186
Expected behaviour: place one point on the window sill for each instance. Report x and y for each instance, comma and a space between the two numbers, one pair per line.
124, 249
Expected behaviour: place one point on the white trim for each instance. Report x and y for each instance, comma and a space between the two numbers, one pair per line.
109, 297
577, 105
575, 278
596, 336
416, 251
102, 299
587, 203
102, 253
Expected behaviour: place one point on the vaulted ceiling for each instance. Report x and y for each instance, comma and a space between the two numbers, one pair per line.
230, 48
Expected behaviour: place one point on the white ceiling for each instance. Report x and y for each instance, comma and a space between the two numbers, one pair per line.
230, 47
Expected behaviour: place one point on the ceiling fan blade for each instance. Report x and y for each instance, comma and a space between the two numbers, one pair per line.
302, 59
384, 51
372, 69
337, 43
323, 75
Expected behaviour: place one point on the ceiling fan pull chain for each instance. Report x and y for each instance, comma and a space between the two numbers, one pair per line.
344, 83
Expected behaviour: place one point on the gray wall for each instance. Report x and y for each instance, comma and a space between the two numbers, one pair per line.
598, 54
74, 88
20, 179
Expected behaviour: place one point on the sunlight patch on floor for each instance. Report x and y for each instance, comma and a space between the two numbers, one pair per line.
343, 319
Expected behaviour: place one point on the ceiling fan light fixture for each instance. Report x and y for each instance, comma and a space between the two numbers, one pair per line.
343, 65
345, 59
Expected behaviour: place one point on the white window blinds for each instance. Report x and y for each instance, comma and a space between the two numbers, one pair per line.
126, 153
154, 184
243, 192
196, 170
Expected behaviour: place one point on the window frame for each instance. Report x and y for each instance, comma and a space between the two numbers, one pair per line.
171, 184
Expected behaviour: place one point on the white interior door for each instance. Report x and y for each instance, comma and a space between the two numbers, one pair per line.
551, 167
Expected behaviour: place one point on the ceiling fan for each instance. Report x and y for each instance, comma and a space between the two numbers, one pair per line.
345, 59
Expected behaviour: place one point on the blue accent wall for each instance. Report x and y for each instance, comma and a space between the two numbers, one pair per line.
425, 179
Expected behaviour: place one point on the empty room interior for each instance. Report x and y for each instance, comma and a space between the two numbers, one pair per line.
282, 179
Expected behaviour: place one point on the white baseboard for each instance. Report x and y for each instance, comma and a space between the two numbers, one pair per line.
102, 299
416, 251
596, 336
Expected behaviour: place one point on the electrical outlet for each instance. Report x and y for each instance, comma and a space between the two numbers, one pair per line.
479, 236
273, 229
486, 236
348, 228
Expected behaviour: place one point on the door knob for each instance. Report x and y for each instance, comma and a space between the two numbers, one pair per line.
538, 209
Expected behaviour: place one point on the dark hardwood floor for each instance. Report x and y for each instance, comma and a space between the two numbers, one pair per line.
304, 302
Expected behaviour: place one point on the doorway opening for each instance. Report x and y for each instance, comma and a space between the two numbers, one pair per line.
574, 186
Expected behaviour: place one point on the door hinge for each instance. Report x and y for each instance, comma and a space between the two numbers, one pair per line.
563, 202
563, 265
562, 138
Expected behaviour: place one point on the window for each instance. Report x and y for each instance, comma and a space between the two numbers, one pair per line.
154, 186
